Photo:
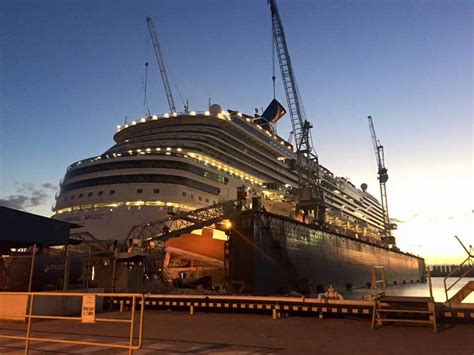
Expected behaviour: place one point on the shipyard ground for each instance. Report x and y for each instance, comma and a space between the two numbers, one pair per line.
218, 333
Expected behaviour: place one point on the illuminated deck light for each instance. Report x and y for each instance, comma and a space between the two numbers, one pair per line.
143, 120
148, 150
158, 149
174, 114
192, 113
207, 113
168, 149
134, 123
179, 149
166, 115
155, 117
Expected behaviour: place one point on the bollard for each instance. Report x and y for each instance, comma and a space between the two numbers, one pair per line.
274, 313
121, 306
191, 310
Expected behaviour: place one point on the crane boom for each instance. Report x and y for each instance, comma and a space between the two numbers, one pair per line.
307, 164
161, 64
382, 173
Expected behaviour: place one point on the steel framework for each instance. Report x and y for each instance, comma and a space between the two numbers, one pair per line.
185, 222
382, 173
307, 165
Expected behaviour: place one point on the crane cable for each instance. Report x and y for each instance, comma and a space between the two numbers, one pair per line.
273, 62
145, 84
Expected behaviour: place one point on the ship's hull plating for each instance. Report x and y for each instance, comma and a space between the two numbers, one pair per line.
272, 254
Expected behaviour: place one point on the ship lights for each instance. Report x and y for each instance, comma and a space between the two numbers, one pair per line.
174, 114
155, 117
166, 115
143, 119
192, 113
207, 113
226, 224
134, 123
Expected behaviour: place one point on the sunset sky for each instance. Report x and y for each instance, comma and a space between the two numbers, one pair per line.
70, 71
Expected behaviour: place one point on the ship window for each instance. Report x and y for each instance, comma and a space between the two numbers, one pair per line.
184, 194
72, 197
65, 199
89, 194
156, 191
139, 191
100, 193
214, 202
112, 192
192, 196
80, 196
200, 198
207, 200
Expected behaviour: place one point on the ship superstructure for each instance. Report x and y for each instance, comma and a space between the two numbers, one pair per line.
164, 163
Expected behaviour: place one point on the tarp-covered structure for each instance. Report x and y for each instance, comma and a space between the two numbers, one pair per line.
20, 229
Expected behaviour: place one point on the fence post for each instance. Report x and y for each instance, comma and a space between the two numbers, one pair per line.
32, 268
66, 268
28, 329
132, 326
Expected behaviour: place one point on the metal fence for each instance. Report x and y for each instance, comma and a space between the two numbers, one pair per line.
87, 316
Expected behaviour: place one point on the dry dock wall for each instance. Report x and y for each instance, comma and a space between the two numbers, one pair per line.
271, 254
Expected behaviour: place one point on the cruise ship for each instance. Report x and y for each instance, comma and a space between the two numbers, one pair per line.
184, 161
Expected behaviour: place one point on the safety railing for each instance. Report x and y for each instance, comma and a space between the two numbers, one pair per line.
467, 262
88, 315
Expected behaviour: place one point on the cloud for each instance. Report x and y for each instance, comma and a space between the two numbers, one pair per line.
27, 195
397, 221
50, 186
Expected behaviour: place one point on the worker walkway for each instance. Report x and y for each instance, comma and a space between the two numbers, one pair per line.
185, 222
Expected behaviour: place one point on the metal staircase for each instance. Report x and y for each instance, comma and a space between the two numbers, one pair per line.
400, 309
462, 294
469, 262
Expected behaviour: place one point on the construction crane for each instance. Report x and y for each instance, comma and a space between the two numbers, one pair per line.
382, 173
161, 64
311, 199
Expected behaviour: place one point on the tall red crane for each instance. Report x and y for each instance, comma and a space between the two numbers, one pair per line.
382, 173
311, 198
161, 64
